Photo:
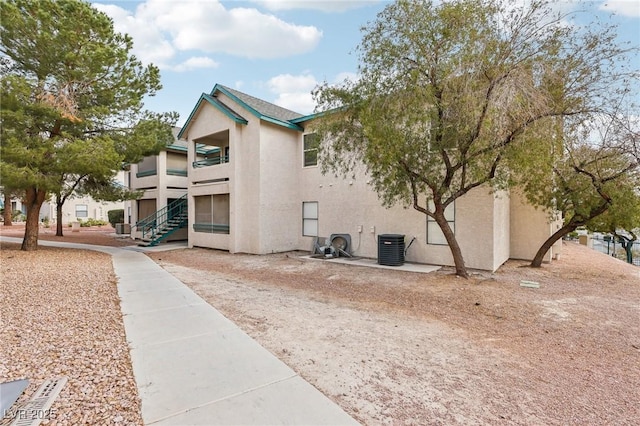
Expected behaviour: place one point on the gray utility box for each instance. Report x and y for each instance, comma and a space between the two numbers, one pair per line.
391, 249
123, 228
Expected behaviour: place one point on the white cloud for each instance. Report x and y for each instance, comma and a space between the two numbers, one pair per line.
629, 8
321, 5
294, 91
292, 83
195, 62
149, 43
298, 102
244, 32
161, 28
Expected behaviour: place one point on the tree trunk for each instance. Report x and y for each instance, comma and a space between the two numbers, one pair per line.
59, 217
537, 259
7, 208
34, 199
570, 226
458, 260
627, 245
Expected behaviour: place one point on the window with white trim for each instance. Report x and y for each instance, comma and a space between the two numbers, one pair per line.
434, 233
310, 149
310, 218
82, 210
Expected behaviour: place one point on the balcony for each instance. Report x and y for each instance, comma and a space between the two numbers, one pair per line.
211, 161
146, 173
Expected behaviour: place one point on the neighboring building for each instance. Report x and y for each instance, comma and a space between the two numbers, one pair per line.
254, 186
16, 205
79, 209
74, 209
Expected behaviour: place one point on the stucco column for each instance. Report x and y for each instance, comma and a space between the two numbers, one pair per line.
161, 167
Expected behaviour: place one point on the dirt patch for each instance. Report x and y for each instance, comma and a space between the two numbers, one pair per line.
405, 348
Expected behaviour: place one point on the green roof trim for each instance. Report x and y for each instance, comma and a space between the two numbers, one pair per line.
218, 105
309, 117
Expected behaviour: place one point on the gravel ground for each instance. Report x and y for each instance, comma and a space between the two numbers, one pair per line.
60, 317
389, 347
405, 348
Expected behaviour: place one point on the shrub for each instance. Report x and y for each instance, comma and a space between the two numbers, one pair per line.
92, 222
115, 216
572, 235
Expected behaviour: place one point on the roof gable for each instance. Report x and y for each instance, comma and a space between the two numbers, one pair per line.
216, 103
262, 109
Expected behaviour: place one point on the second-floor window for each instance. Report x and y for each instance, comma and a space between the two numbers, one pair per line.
310, 149
147, 167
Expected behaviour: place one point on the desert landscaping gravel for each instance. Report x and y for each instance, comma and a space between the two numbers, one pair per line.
390, 347
60, 316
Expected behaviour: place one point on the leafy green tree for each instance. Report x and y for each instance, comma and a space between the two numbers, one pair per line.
448, 92
593, 182
622, 220
72, 100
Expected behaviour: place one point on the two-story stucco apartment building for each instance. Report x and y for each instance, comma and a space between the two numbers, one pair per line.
254, 186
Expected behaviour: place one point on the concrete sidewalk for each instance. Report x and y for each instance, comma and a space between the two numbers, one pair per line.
195, 367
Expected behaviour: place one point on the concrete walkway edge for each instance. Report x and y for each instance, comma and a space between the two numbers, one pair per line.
193, 366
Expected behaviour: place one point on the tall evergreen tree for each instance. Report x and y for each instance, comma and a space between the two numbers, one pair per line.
72, 100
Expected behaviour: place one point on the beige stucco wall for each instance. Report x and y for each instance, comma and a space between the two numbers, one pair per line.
348, 205
268, 184
530, 227
245, 188
279, 204
242, 172
501, 228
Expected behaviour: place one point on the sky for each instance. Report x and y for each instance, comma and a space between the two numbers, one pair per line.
276, 50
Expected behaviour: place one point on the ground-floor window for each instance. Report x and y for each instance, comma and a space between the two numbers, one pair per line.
82, 210
310, 218
146, 208
434, 233
211, 213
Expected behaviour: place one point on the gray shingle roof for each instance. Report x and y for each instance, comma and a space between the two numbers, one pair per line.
264, 107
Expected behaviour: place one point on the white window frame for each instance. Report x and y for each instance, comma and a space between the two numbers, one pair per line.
305, 150
85, 210
434, 233
310, 218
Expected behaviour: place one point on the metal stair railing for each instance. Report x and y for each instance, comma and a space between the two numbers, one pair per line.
173, 216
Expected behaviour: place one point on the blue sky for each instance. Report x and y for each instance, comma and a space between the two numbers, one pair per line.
276, 50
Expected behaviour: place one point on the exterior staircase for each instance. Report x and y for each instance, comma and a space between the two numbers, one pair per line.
160, 225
